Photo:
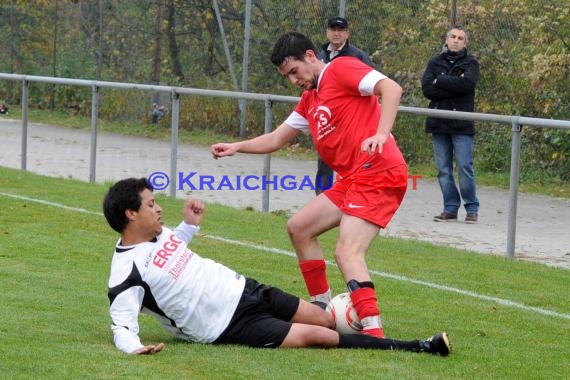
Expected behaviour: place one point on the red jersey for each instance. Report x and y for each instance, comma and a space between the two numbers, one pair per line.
341, 113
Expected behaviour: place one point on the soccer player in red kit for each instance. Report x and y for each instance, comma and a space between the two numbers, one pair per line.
352, 134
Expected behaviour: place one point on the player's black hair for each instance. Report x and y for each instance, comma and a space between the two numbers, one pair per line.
291, 44
122, 196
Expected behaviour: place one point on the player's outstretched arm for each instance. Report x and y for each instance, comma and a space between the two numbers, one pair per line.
149, 350
267, 143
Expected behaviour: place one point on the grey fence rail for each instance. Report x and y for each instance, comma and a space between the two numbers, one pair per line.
516, 123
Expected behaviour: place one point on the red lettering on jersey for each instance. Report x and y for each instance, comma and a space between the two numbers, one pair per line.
163, 254
158, 261
170, 246
161, 258
174, 239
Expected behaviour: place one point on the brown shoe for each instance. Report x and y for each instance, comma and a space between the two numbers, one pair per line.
471, 218
445, 217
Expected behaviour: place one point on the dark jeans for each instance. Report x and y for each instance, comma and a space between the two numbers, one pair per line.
324, 177
445, 147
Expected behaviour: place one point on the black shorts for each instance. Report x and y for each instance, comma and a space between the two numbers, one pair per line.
262, 317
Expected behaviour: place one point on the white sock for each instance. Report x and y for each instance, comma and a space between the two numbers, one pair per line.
323, 297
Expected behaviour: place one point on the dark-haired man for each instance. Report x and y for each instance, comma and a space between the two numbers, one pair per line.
339, 107
199, 300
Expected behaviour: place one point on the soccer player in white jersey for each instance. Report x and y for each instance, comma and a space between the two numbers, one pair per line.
153, 271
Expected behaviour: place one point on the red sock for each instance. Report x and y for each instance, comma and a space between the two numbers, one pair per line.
315, 275
366, 305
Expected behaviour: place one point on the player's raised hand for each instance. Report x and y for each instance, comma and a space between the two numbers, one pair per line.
193, 211
149, 350
223, 150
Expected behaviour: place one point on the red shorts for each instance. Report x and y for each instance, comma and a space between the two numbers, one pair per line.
374, 197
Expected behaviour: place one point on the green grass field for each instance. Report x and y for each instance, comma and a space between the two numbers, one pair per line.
507, 319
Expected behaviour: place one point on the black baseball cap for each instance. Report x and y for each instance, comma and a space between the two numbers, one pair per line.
337, 21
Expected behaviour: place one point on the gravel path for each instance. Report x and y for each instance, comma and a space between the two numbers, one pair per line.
543, 232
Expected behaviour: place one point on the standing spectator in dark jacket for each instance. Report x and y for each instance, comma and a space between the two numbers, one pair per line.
449, 83
338, 46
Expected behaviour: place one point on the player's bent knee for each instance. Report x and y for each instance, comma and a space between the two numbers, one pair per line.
295, 228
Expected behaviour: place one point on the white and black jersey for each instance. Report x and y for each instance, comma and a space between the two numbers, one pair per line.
192, 297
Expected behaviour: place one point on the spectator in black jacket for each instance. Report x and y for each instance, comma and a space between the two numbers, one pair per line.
338, 46
449, 83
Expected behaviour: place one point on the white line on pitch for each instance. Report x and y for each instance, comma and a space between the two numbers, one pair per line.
263, 248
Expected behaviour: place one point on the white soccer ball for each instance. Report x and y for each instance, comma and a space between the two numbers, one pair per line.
344, 315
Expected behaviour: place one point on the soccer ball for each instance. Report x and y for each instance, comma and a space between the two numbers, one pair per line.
344, 315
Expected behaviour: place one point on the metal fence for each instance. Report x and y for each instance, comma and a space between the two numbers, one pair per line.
516, 123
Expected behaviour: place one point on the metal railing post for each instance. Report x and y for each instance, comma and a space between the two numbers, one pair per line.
513, 187
342, 8
267, 157
245, 67
93, 141
174, 127
25, 105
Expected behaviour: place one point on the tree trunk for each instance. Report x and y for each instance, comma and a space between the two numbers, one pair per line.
155, 79
172, 44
